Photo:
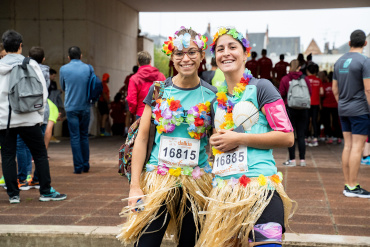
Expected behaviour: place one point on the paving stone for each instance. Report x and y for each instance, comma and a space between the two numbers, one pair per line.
353, 230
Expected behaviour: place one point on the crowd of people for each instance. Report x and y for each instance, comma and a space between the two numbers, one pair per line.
242, 109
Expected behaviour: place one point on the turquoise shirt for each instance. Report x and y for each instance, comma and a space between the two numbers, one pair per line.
260, 161
188, 97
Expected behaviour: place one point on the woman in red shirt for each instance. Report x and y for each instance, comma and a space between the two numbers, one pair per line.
329, 112
317, 91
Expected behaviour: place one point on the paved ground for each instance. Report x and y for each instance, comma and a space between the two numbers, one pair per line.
94, 197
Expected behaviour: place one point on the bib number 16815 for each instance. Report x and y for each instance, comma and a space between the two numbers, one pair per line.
179, 153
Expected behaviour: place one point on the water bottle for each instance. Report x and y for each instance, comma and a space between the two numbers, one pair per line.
139, 206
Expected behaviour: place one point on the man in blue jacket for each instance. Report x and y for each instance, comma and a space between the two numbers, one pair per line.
74, 80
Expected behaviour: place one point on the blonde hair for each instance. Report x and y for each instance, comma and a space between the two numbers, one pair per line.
294, 65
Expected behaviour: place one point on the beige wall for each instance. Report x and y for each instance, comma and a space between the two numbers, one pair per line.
105, 30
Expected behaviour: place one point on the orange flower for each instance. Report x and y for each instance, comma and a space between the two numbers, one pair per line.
275, 178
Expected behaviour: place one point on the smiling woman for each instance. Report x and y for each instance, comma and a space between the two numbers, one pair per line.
164, 198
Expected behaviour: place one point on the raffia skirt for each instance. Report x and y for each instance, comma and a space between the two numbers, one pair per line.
232, 210
164, 190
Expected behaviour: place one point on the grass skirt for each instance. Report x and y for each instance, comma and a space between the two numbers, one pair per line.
232, 211
165, 190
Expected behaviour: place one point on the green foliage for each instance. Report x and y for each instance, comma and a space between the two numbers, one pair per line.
161, 61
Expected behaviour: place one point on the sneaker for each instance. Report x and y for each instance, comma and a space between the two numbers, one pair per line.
339, 141
14, 199
346, 189
289, 163
54, 140
329, 141
34, 184
2, 182
303, 163
23, 185
313, 143
365, 161
104, 134
357, 192
52, 196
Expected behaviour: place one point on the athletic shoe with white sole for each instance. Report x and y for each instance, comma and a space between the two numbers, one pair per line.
289, 163
52, 196
14, 199
357, 192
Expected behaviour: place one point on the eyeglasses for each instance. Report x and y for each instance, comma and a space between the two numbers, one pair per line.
192, 54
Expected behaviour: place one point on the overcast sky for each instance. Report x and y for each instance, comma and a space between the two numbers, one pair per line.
326, 25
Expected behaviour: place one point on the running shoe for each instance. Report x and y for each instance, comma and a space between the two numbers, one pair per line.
2, 182
329, 141
14, 199
54, 140
105, 134
357, 192
52, 196
33, 184
23, 185
289, 163
365, 161
346, 189
303, 163
313, 143
339, 141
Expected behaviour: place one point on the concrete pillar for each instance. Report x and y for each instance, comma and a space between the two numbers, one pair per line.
106, 31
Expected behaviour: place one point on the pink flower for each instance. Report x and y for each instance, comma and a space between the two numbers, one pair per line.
197, 172
162, 170
233, 181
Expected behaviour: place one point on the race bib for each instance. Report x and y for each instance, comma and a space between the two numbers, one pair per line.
226, 164
176, 151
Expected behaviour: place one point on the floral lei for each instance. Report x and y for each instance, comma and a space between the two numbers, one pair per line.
169, 113
183, 41
228, 105
235, 34
244, 181
195, 172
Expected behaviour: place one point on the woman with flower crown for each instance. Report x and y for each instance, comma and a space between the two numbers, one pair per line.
172, 186
248, 204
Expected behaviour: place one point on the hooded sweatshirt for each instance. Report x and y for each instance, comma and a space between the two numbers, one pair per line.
139, 87
22, 119
285, 82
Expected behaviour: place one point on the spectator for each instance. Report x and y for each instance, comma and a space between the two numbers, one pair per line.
140, 82
302, 63
329, 111
55, 95
264, 66
118, 114
298, 117
24, 124
252, 65
123, 91
74, 79
351, 88
202, 66
280, 69
208, 75
317, 92
103, 105
2, 51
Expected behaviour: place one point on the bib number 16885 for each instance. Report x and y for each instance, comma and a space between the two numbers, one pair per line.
229, 158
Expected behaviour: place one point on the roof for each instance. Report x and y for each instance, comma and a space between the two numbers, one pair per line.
284, 45
256, 41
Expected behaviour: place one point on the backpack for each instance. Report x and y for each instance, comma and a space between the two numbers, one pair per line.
25, 89
125, 151
298, 94
95, 87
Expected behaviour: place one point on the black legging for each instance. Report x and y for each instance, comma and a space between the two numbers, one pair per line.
298, 118
326, 113
154, 234
313, 114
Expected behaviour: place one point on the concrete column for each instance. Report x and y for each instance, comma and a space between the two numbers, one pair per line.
106, 31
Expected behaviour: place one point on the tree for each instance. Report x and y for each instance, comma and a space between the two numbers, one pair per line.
161, 60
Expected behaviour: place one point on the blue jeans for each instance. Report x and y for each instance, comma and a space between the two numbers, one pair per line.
78, 125
24, 159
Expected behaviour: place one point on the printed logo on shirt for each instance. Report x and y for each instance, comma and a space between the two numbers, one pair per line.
347, 63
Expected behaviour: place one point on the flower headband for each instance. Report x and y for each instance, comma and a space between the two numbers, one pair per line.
235, 34
183, 41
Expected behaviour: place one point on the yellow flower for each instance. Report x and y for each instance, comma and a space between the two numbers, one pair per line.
175, 172
222, 31
240, 87
215, 151
191, 134
221, 96
262, 180
170, 100
160, 129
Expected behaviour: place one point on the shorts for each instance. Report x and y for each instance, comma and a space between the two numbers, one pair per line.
357, 125
103, 107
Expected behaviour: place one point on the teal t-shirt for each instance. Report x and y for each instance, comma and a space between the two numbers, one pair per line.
259, 92
188, 97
